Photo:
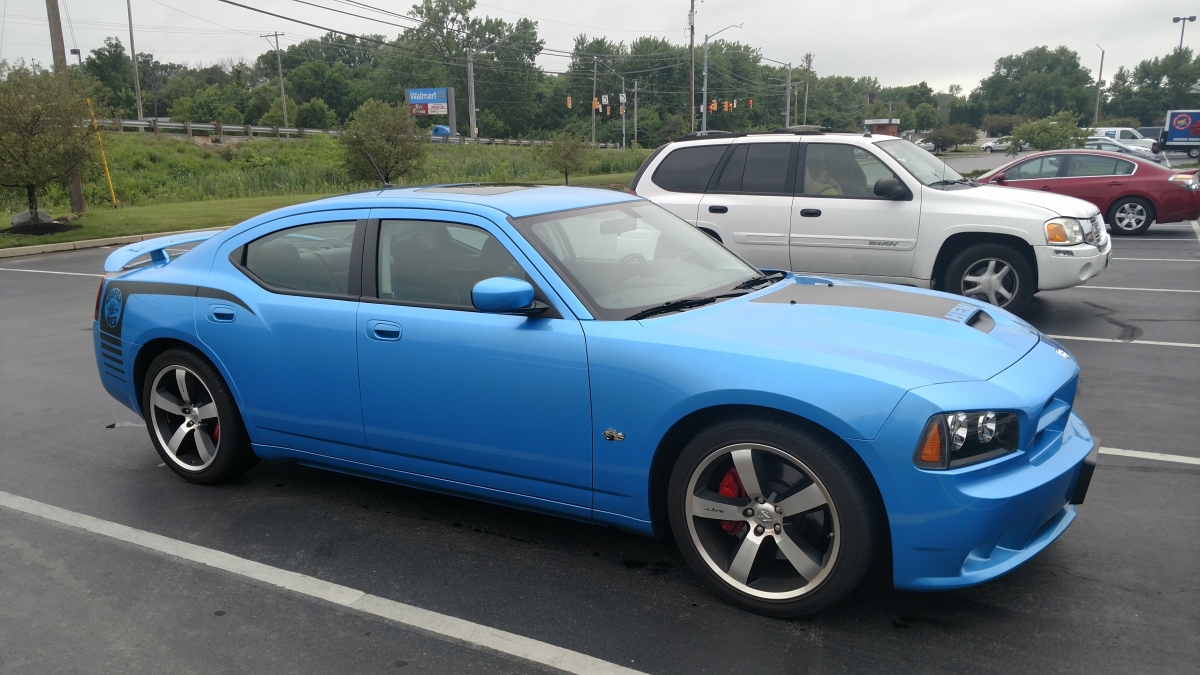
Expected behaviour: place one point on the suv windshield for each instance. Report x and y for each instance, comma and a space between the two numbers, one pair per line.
921, 164
636, 259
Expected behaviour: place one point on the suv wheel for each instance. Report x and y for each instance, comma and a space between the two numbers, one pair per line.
1130, 216
995, 273
771, 516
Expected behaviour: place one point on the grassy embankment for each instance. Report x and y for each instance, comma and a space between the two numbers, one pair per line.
170, 184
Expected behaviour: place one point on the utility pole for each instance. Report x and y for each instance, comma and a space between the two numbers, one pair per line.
1099, 86
279, 63
471, 92
692, 70
787, 106
635, 102
137, 83
622, 111
808, 59
58, 46
594, 64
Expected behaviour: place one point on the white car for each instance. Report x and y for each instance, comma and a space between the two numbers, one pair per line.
1128, 136
996, 144
876, 208
1110, 145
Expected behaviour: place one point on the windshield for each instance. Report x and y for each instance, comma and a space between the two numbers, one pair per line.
621, 259
920, 163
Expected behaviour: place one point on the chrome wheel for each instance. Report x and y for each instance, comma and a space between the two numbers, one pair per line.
993, 280
1130, 216
184, 418
762, 521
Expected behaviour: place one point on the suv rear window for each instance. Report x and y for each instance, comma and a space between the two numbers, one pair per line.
688, 169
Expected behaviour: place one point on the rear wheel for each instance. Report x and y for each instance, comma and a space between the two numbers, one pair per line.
1130, 216
995, 273
771, 516
193, 421
1193, 152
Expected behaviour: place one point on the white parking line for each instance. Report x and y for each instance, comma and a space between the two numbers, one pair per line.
1195, 228
1161, 259
1182, 459
1125, 342
1127, 288
439, 625
70, 274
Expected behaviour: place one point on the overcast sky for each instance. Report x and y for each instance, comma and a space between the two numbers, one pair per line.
901, 42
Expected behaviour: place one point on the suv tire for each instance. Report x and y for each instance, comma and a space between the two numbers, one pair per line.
995, 273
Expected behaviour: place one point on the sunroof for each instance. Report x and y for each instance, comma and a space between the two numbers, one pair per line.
475, 189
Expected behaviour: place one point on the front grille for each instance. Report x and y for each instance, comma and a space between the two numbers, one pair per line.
1096, 235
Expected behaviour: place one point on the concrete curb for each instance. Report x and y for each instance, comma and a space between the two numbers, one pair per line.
17, 251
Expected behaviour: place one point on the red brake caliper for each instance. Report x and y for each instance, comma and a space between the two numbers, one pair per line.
216, 432
731, 486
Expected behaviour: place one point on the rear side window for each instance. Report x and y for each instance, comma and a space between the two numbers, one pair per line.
1097, 165
756, 168
1042, 167
309, 259
688, 169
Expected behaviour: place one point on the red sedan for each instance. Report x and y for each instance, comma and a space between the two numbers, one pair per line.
1131, 193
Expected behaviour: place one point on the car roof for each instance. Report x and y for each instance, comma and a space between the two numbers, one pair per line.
515, 201
1081, 151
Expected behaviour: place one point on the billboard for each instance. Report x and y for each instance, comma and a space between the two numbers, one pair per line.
428, 102
1183, 126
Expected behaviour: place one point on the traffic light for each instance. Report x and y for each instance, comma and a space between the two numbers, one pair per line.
622, 111
712, 107
568, 101
750, 103
728, 106
595, 103
608, 111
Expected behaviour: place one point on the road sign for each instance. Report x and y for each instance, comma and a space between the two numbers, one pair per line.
428, 102
604, 99
622, 99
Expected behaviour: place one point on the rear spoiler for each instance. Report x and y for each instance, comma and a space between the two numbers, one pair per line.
155, 248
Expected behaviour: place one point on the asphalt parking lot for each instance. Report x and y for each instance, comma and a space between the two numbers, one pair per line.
1118, 592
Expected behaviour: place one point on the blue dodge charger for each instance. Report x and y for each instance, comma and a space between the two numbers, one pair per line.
587, 354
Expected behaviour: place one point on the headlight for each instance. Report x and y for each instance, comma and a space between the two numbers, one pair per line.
1063, 232
957, 439
1187, 181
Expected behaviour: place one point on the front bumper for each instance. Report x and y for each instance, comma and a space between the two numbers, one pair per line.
962, 527
1067, 266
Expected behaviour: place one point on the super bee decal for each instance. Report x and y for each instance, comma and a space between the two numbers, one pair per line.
118, 294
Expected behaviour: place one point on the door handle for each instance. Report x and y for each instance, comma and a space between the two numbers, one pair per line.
715, 208
1115, 183
384, 331
1047, 188
221, 313
810, 213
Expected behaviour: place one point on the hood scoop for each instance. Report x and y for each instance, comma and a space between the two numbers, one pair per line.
871, 297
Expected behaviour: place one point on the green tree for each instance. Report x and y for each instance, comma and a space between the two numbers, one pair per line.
569, 154
274, 116
41, 138
1153, 87
1001, 125
314, 114
206, 105
926, 116
1036, 83
1049, 133
385, 133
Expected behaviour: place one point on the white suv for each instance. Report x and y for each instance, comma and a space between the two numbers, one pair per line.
876, 208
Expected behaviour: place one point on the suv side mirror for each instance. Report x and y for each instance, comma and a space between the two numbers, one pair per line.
505, 295
890, 188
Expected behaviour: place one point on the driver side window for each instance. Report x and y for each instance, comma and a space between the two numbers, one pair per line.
836, 170
429, 263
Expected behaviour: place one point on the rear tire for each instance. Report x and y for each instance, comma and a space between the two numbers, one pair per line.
1130, 216
193, 420
1193, 152
812, 531
998, 274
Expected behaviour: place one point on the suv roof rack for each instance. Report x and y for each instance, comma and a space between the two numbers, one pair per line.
796, 130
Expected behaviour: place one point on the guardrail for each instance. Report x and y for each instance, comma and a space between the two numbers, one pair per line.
256, 131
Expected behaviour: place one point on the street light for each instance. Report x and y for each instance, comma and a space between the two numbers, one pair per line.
1183, 21
704, 99
471, 82
1099, 85
622, 108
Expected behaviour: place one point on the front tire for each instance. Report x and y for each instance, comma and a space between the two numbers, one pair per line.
988, 149
193, 420
771, 516
995, 273
1130, 216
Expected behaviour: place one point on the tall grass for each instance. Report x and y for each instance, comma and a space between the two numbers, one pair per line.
146, 170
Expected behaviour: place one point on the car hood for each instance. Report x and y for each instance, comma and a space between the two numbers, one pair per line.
907, 337
1057, 205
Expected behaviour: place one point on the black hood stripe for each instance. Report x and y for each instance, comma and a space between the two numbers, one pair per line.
869, 297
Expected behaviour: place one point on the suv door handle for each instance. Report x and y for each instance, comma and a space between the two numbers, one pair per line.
716, 208
384, 331
810, 213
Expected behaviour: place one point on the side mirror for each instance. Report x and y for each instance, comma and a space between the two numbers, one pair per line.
505, 295
890, 188
999, 178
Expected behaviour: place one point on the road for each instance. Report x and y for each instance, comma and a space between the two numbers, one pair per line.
1118, 592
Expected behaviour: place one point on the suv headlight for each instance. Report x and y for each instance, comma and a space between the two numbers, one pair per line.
1063, 232
957, 439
